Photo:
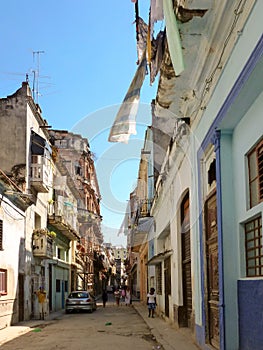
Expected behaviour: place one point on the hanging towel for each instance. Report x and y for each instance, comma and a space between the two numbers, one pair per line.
156, 11
125, 121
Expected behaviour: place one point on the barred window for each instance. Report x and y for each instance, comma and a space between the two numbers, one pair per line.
1, 235
158, 278
254, 249
3, 282
255, 171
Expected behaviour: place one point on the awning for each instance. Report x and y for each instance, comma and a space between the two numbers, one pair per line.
173, 37
39, 145
156, 259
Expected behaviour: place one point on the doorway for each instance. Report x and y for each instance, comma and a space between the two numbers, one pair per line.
21, 297
186, 261
212, 272
167, 284
50, 304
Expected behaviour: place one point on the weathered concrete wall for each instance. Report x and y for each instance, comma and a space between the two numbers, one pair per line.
13, 129
13, 240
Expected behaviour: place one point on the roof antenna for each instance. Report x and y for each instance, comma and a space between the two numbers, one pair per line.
36, 76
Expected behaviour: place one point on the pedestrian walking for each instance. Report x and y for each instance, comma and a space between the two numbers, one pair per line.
151, 302
104, 297
123, 294
128, 296
117, 295
41, 295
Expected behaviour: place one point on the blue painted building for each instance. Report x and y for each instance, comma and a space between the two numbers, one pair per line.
229, 168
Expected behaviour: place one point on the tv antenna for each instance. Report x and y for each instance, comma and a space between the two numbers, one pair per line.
36, 75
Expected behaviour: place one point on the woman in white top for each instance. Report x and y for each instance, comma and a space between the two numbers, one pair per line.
151, 302
128, 296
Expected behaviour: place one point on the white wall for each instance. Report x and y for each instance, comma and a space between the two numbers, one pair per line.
13, 236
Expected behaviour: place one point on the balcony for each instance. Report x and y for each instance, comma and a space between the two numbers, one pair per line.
87, 217
139, 234
145, 207
43, 245
62, 215
41, 173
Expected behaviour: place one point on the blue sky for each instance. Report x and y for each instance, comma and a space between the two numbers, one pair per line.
88, 63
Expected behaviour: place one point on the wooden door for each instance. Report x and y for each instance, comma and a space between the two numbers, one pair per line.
21, 297
186, 262
167, 284
212, 310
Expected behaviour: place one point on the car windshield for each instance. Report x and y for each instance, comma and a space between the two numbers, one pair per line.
78, 295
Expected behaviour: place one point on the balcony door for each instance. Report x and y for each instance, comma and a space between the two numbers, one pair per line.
186, 262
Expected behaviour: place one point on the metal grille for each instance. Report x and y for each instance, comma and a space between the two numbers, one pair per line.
255, 169
260, 170
254, 250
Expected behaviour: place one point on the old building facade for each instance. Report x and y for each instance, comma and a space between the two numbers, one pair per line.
76, 156
50, 214
205, 240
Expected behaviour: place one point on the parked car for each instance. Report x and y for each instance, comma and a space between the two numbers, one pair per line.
81, 300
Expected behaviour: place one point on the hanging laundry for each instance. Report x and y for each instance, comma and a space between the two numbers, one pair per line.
149, 42
156, 10
141, 30
157, 55
125, 121
173, 37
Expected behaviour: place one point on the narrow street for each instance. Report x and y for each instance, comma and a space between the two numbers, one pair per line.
107, 328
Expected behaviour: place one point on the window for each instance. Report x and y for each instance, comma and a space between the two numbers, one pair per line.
254, 249
255, 172
3, 282
59, 253
63, 144
211, 176
1, 234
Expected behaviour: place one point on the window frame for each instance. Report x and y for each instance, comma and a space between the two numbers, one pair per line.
3, 281
257, 178
253, 247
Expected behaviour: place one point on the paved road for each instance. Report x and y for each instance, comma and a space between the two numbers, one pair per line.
108, 328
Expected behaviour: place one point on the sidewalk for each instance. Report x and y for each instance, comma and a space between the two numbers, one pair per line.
170, 338
11, 332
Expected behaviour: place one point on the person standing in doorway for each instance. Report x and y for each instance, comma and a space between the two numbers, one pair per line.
104, 297
151, 302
